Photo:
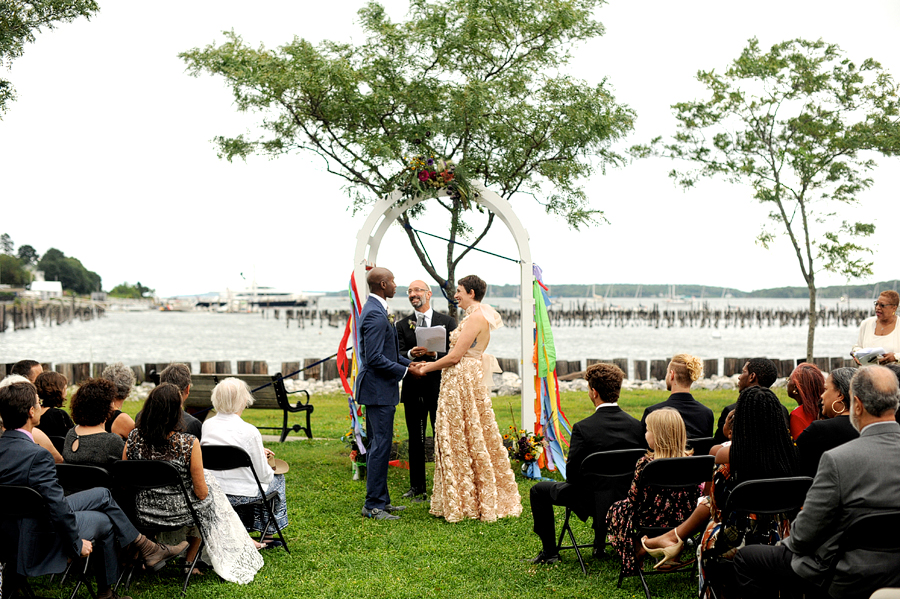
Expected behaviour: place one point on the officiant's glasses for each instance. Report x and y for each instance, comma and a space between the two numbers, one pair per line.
413, 290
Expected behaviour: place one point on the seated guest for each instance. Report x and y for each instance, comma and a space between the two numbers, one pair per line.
118, 421
37, 435
158, 436
230, 398
805, 386
51, 388
835, 429
757, 372
854, 479
88, 442
30, 369
608, 428
180, 376
667, 438
77, 525
761, 447
683, 370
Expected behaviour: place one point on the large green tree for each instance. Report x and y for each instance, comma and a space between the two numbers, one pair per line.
22, 20
800, 125
69, 271
478, 82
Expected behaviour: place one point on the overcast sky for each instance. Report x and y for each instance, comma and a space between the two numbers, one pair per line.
107, 156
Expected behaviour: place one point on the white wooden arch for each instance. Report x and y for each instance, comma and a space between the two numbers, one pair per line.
389, 209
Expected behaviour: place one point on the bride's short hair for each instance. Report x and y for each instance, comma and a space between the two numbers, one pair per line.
474, 283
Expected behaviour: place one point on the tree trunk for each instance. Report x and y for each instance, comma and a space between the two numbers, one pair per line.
811, 334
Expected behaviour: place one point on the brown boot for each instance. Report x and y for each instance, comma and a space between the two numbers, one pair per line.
155, 555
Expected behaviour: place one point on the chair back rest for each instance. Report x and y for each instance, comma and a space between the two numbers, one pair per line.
81, 477
701, 445
225, 457
610, 464
146, 474
58, 443
872, 532
676, 473
769, 495
17, 501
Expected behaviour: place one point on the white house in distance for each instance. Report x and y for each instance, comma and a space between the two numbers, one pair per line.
47, 289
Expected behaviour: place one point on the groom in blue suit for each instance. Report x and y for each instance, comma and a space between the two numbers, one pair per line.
381, 367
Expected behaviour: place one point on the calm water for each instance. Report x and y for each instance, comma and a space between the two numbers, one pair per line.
142, 337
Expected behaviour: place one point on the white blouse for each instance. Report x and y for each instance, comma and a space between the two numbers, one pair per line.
868, 338
229, 429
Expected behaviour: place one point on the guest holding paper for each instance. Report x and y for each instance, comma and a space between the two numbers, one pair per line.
881, 330
420, 396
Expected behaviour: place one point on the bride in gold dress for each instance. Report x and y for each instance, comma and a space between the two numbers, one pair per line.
472, 474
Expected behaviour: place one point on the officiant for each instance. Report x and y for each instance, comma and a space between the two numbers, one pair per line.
419, 396
881, 330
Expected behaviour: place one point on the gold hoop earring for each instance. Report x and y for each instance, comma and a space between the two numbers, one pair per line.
843, 409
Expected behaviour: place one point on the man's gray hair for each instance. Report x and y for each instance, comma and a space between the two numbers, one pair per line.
877, 388
177, 374
122, 376
231, 396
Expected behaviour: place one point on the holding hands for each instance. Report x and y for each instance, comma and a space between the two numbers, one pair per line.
418, 369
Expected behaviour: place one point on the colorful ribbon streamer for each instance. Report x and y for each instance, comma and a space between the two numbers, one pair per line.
349, 368
548, 415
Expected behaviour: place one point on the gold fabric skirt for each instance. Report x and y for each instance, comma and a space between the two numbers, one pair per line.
472, 473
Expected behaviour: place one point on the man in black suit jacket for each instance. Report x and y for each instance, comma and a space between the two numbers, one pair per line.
78, 525
683, 370
419, 396
609, 428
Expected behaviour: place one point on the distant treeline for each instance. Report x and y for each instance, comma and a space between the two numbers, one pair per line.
605, 290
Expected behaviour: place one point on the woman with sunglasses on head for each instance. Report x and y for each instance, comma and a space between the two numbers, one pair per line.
881, 330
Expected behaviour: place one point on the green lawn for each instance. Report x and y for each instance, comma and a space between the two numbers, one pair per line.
337, 553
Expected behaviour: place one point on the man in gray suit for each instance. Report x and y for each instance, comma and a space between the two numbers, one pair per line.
857, 478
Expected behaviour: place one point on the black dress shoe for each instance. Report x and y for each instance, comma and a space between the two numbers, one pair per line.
544, 558
413, 493
598, 553
394, 508
378, 514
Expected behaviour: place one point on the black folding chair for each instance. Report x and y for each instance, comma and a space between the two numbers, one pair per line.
748, 503
230, 457
668, 473
876, 533
58, 443
701, 445
24, 502
81, 477
606, 477
144, 475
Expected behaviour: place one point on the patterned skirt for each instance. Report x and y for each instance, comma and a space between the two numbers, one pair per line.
255, 517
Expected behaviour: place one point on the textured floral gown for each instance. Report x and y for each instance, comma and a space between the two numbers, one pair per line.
472, 474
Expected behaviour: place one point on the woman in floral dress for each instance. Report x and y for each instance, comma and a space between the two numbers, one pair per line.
472, 475
667, 438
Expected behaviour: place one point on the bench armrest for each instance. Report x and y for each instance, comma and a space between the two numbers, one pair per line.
298, 406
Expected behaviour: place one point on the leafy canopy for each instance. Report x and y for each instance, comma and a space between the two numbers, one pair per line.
478, 82
799, 125
21, 20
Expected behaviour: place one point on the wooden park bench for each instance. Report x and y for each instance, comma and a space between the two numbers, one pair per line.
268, 394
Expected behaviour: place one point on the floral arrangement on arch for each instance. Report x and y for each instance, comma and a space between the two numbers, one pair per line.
523, 446
427, 175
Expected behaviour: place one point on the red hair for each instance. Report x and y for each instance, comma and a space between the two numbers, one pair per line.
810, 384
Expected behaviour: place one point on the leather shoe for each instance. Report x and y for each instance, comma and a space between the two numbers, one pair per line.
544, 558
413, 493
394, 508
378, 514
598, 553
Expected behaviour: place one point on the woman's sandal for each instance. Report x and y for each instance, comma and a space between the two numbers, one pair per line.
666, 553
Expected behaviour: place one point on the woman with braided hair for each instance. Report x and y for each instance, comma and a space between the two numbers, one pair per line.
761, 447
805, 386
835, 429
